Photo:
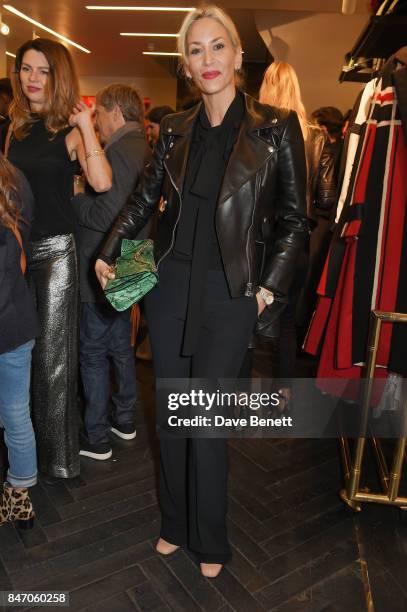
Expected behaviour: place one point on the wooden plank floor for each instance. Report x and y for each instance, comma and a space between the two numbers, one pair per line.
296, 547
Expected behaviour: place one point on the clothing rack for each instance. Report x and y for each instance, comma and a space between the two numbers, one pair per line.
361, 71
381, 37
352, 494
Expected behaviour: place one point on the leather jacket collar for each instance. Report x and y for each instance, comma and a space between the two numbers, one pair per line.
255, 117
251, 151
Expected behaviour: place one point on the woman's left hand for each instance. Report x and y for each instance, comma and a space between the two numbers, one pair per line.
260, 303
82, 115
104, 272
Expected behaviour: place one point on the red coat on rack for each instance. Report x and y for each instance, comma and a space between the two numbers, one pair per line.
366, 268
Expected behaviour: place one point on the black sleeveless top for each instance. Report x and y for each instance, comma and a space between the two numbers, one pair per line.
44, 159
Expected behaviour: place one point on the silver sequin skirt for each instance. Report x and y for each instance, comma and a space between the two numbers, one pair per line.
53, 278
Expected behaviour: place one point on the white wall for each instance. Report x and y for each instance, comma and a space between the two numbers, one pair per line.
161, 91
315, 44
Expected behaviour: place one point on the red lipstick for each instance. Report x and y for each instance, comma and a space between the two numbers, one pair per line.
32, 89
212, 74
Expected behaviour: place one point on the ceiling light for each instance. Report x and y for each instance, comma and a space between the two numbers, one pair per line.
11, 9
159, 53
10, 54
4, 29
141, 8
149, 34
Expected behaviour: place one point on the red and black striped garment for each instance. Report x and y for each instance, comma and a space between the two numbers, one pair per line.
366, 268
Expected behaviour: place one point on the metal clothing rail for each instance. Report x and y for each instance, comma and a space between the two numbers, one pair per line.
352, 494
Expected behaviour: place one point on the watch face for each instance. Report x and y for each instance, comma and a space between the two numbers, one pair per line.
268, 299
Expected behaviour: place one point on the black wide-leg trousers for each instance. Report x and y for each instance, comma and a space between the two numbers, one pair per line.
193, 472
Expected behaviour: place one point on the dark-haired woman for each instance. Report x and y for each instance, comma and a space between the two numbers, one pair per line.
224, 168
51, 131
18, 328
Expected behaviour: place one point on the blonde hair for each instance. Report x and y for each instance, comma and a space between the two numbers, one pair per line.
62, 88
280, 87
211, 12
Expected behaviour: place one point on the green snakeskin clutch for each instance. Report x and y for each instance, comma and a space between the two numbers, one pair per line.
136, 274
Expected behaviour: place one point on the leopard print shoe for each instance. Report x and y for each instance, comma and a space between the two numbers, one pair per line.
19, 507
4, 506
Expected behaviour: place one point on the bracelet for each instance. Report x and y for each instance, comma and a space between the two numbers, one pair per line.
95, 153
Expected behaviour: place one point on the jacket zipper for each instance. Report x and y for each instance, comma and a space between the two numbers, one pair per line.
249, 285
177, 221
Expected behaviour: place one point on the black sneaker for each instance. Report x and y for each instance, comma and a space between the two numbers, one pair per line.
126, 431
100, 451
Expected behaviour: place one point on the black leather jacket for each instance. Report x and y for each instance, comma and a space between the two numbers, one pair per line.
261, 213
321, 186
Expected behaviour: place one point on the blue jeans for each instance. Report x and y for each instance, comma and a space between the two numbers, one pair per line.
104, 334
15, 369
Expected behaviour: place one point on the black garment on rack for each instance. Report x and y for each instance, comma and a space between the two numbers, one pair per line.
399, 342
399, 78
196, 238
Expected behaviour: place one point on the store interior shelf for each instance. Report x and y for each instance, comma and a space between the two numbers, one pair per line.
356, 77
381, 37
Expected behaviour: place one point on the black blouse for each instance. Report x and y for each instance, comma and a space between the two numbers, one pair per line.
196, 239
44, 159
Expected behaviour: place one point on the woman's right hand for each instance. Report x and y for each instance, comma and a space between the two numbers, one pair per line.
82, 115
104, 272
261, 304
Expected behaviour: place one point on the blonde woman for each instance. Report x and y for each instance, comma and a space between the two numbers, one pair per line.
280, 87
217, 167
50, 131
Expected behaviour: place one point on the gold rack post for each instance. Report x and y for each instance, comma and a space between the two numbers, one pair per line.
390, 479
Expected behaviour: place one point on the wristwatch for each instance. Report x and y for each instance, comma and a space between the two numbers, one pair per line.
266, 295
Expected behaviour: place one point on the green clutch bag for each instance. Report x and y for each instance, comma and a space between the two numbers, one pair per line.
136, 274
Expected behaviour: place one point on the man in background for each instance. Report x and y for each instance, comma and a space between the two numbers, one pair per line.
104, 332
